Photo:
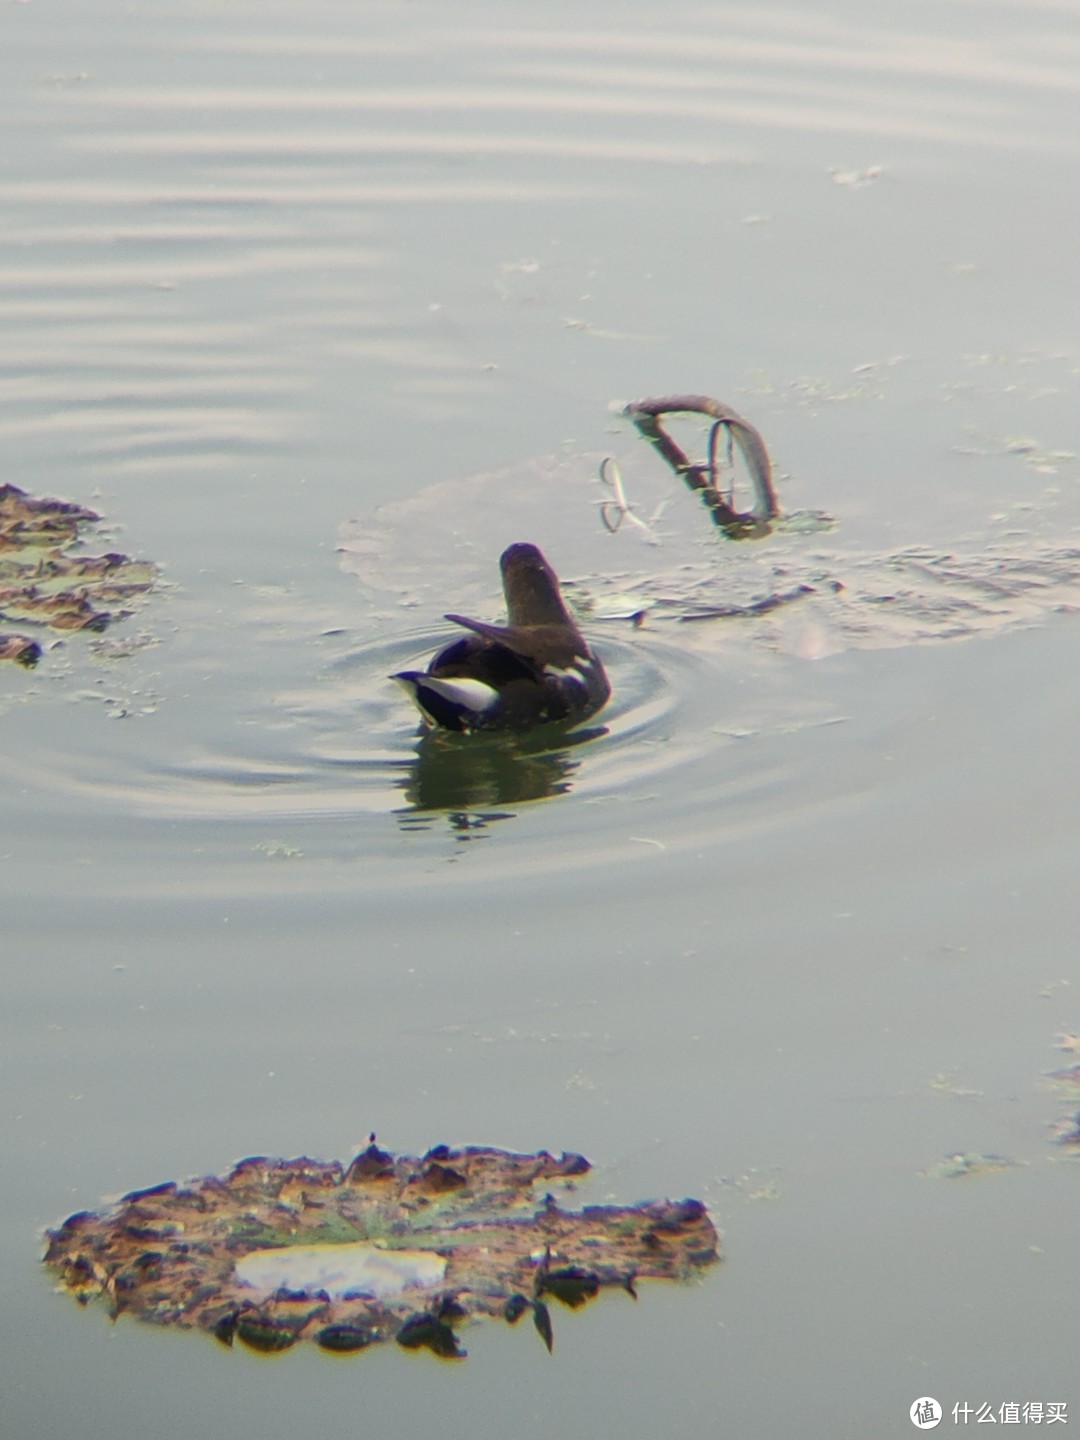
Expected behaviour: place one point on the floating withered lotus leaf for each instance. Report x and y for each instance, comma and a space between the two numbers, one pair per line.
25, 520
45, 581
628, 549
385, 1248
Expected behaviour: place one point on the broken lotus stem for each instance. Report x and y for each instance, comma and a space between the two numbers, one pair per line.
702, 475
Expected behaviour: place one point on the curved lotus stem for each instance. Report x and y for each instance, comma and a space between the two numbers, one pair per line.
701, 476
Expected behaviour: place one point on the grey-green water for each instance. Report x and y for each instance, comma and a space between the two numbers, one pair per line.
800, 925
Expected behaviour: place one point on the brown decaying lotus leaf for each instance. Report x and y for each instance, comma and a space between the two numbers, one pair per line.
26, 521
20, 648
44, 582
169, 1254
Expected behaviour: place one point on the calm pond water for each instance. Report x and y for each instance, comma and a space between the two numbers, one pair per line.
321, 307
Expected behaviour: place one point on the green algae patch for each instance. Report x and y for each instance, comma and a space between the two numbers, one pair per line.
402, 1248
46, 580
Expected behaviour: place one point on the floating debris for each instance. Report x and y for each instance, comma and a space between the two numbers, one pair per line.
855, 179
615, 511
755, 607
1066, 1080
1067, 1133
386, 1248
44, 582
20, 648
968, 1166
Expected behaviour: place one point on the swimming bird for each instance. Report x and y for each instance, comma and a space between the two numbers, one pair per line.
535, 669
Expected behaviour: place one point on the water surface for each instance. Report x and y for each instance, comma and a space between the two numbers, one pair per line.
322, 309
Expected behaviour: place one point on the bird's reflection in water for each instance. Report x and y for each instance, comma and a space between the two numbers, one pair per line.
468, 779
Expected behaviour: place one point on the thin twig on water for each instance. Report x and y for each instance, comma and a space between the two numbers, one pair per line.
614, 512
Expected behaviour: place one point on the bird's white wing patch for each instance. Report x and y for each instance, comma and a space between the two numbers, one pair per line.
576, 673
473, 694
